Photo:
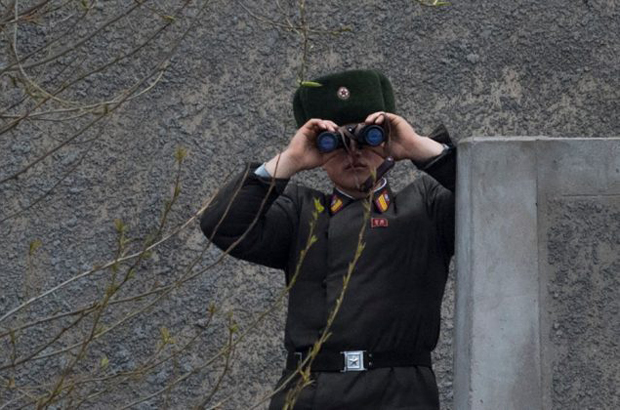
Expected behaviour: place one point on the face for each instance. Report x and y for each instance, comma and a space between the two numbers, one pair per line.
348, 170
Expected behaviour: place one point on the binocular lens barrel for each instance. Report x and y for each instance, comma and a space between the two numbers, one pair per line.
372, 135
327, 141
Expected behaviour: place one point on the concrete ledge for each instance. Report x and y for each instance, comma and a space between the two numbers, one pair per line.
508, 190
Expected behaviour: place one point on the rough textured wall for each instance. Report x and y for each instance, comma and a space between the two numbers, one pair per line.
538, 246
583, 301
482, 68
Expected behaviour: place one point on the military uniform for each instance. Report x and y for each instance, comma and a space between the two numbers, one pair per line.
392, 304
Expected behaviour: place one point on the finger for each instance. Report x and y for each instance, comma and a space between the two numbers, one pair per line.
313, 127
375, 118
310, 129
313, 123
332, 126
321, 124
371, 118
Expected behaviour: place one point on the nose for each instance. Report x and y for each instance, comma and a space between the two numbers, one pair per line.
355, 148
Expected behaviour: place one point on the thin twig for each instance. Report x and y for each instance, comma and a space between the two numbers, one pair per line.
60, 180
77, 44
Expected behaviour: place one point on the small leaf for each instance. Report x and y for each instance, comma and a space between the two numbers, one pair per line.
360, 248
373, 173
150, 238
212, 308
11, 383
318, 206
180, 154
305, 374
165, 333
124, 241
34, 245
313, 240
169, 18
103, 363
165, 336
311, 84
119, 225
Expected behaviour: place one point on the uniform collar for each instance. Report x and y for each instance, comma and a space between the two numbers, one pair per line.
382, 198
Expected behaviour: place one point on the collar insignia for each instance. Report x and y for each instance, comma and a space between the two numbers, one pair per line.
382, 201
336, 204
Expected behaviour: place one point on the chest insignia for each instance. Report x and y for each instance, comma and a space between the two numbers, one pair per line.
378, 223
336, 204
382, 201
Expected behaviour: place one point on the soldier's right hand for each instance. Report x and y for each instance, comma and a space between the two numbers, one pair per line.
302, 149
302, 152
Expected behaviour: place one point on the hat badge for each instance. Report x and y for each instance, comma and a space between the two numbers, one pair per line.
343, 93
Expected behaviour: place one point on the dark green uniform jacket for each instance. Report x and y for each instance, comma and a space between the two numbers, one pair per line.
393, 300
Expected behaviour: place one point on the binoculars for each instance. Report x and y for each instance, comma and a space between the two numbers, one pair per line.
363, 134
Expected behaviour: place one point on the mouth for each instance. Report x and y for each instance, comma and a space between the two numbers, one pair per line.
356, 166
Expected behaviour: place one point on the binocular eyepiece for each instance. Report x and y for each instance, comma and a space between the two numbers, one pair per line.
364, 134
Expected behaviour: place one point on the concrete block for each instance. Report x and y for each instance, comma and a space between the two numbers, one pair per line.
538, 253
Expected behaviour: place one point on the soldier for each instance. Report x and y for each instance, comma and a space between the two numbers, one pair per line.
378, 353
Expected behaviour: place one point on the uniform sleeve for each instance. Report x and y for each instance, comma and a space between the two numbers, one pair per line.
253, 219
440, 205
440, 190
443, 167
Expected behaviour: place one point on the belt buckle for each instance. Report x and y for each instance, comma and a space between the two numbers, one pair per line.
354, 361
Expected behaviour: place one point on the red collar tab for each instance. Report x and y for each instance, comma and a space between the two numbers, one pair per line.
382, 201
336, 204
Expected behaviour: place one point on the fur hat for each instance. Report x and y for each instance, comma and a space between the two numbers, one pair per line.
345, 98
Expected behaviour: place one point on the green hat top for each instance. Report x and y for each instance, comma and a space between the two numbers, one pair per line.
344, 98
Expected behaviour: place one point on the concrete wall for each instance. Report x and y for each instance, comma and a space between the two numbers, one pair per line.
538, 259
482, 68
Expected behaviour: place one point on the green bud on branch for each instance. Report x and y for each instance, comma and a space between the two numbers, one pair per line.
165, 336
103, 363
311, 84
180, 154
318, 206
119, 225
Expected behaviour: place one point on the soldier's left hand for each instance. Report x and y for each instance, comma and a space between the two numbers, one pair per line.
403, 137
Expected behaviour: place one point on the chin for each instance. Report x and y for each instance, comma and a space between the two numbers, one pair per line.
354, 183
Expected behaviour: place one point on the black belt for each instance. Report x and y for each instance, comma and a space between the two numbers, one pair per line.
358, 360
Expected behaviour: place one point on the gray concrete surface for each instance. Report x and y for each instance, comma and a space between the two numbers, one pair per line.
482, 68
538, 258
